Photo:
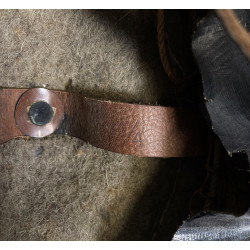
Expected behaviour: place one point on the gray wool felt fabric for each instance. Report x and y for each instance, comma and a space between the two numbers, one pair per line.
61, 188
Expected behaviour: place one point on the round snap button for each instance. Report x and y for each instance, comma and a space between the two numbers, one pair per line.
39, 112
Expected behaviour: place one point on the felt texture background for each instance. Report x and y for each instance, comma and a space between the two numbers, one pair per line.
61, 188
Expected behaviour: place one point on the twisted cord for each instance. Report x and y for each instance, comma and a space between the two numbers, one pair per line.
167, 55
161, 45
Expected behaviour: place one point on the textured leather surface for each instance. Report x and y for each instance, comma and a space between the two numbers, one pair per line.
141, 130
8, 100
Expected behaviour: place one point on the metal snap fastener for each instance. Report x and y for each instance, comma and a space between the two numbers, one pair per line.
39, 112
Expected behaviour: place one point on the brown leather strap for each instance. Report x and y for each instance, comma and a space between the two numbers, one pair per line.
142, 130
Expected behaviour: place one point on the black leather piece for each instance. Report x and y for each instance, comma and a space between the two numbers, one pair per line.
226, 81
225, 74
